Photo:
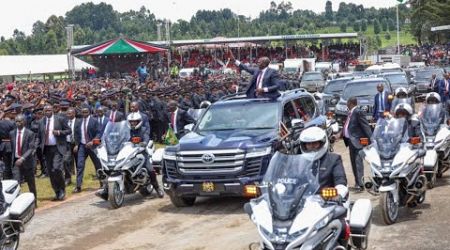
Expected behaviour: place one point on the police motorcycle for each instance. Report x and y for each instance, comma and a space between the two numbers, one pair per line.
436, 137
292, 213
17, 212
123, 164
396, 167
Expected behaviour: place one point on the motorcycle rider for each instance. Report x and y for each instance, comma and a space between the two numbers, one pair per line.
434, 98
137, 130
328, 166
404, 110
401, 96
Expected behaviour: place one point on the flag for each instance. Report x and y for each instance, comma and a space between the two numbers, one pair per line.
170, 138
284, 131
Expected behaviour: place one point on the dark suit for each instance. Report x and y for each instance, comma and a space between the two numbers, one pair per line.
270, 82
182, 119
93, 131
28, 147
331, 171
357, 128
6, 126
54, 154
102, 121
434, 85
118, 116
71, 157
377, 105
35, 125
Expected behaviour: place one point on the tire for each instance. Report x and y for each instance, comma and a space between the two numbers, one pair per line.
431, 180
389, 209
146, 190
115, 196
180, 201
13, 244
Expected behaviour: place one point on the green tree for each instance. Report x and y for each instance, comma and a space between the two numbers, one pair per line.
51, 43
376, 27
343, 27
364, 25
356, 26
329, 10
391, 25
384, 24
387, 36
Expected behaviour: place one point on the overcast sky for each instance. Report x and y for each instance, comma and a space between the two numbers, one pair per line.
22, 14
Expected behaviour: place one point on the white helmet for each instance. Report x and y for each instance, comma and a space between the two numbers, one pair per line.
433, 95
313, 134
400, 91
403, 107
135, 116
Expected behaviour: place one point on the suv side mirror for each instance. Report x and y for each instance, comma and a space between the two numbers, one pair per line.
297, 123
189, 127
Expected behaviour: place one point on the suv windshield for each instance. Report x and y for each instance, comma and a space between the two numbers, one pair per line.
426, 74
362, 89
251, 115
335, 86
397, 80
312, 77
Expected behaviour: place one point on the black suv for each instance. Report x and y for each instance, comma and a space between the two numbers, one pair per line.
230, 147
364, 90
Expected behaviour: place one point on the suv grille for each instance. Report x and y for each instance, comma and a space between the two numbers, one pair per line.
214, 161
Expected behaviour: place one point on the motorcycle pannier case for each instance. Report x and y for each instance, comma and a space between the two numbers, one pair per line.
22, 208
360, 220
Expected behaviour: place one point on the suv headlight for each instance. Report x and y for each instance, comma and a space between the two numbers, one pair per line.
256, 152
340, 107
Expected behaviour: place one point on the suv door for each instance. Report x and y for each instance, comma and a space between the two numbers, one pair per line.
289, 114
305, 107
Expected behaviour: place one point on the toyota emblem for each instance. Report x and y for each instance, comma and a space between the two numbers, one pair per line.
208, 158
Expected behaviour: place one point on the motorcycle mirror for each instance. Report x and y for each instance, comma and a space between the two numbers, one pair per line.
414, 140
136, 140
96, 142
328, 193
364, 141
421, 153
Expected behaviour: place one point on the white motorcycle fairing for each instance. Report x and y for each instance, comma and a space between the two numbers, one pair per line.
430, 159
11, 190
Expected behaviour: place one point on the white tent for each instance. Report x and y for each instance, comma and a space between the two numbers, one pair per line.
37, 64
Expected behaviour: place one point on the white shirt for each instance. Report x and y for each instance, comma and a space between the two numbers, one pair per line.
71, 124
51, 136
22, 132
83, 138
174, 120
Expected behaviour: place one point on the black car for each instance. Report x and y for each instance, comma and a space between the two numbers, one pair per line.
399, 79
423, 77
364, 90
333, 90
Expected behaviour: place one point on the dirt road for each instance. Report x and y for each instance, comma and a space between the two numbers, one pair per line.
89, 223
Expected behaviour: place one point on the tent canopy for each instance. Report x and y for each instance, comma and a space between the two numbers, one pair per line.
119, 46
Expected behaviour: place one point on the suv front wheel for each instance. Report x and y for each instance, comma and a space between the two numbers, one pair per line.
180, 201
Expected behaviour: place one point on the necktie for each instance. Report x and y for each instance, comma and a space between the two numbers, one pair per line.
47, 132
381, 102
114, 116
85, 130
172, 120
19, 142
346, 125
259, 80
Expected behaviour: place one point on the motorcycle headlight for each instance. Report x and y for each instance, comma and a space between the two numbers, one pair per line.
279, 238
322, 223
256, 152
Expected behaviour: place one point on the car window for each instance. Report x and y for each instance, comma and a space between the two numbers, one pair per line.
305, 107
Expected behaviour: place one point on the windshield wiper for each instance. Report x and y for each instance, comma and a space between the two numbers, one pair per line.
259, 128
362, 95
219, 129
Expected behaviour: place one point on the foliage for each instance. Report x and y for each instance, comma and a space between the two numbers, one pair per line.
95, 23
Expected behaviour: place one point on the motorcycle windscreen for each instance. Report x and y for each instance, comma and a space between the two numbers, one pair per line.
388, 135
289, 181
431, 118
115, 135
195, 113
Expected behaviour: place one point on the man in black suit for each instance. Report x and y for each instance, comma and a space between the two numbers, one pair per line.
23, 145
381, 103
101, 119
53, 134
178, 118
434, 83
71, 156
38, 115
86, 130
265, 81
356, 127
114, 114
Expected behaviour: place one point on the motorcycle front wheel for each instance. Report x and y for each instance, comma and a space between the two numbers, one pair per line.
115, 195
389, 208
11, 244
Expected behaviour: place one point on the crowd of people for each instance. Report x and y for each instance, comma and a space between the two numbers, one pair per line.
430, 54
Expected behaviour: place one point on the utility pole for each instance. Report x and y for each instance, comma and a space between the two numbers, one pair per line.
168, 43
398, 28
70, 58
